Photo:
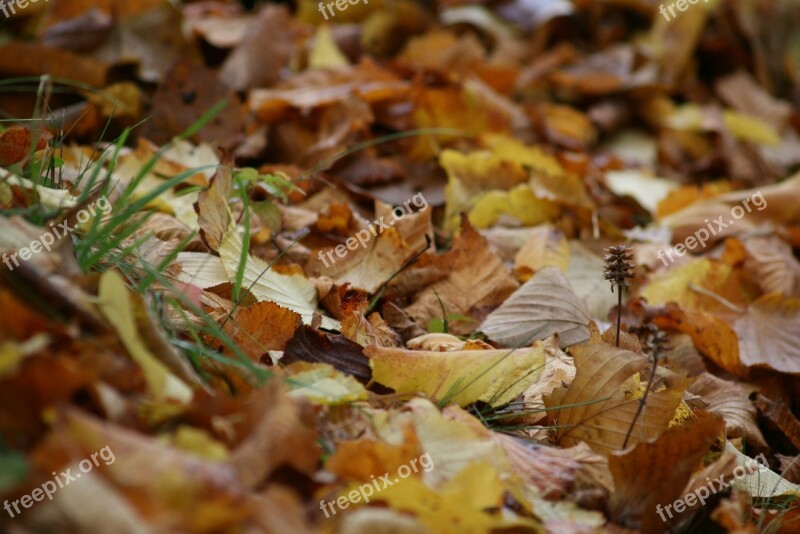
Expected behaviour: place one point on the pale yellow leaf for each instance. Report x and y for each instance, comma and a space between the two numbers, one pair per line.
115, 303
493, 376
324, 52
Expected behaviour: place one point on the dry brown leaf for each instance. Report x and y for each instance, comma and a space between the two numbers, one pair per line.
383, 255
598, 409
371, 331
279, 509
262, 327
310, 345
654, 473
401, 323
146, 37
600, 73
546, 246
187, 91
681, 355
128, 478
731, 401
373, 457
773, 265
283, 433
444, 51
213, 215
314, 88
566, 126
742, 93
781, 416
769, 334
257, 61
554, 471
789, 467
17, 141
477, 279
774, 204
711, 335
41, 59
722, 467
731, 514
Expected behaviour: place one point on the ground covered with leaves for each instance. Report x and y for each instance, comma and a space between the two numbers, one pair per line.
348, 267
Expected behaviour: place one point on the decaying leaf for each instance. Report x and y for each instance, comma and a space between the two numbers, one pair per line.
543, 306
294, 292
117, 305
262, 327
309, 345
769, 333
654, 473
477, 279
381, 267
599, 406
492, 376
730, 400
321, 383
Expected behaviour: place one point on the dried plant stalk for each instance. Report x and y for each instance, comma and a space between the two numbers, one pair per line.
619, 271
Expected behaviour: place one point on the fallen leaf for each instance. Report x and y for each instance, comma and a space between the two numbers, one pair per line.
781, 416
324, 52
768, 334
309, 345
595, 408
654, 473
543, 306
372, 331
759, 480
262, 327
117, 305
492, 376
730, 400
477, 278
323, 384
293, 292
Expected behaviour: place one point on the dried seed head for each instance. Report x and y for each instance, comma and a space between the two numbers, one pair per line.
658, 343
619, 266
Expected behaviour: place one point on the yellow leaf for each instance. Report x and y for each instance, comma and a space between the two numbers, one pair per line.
294, 292
493, 376
742, 126
464, 504
508, 178
10, 358
324, 53
323, 384
519, 203
680, 284
199, 442
749, 128
115, 303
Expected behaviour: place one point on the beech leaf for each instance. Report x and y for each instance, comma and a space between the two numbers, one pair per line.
543, 306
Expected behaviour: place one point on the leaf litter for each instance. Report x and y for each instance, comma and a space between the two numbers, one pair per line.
264, 326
